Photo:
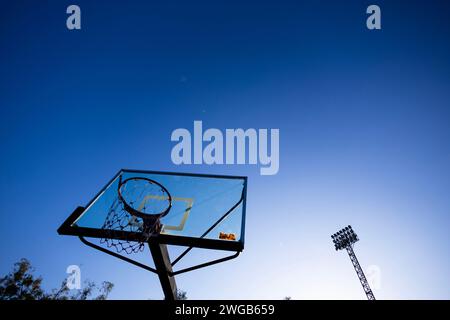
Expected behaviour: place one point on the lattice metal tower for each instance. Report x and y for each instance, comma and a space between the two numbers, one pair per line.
345, 239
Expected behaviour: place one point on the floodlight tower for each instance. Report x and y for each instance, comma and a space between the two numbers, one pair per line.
345, 239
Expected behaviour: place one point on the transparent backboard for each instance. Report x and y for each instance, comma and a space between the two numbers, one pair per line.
207, 210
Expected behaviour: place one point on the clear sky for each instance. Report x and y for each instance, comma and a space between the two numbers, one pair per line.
364, 135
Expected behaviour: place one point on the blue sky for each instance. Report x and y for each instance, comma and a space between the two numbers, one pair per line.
364, 129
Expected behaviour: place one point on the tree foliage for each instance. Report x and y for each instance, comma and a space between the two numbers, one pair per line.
181, 295
21, 284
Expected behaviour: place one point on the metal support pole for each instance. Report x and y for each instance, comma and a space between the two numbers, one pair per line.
345, 239
164, 269
360, 273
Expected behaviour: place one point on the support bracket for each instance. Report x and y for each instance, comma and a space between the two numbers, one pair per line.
116, 255
206, 264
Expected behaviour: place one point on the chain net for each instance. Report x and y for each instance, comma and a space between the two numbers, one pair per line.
121, 220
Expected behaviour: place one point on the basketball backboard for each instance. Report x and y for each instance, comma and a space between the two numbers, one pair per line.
206, 211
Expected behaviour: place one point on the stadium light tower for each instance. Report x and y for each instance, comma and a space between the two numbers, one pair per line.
345, 239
